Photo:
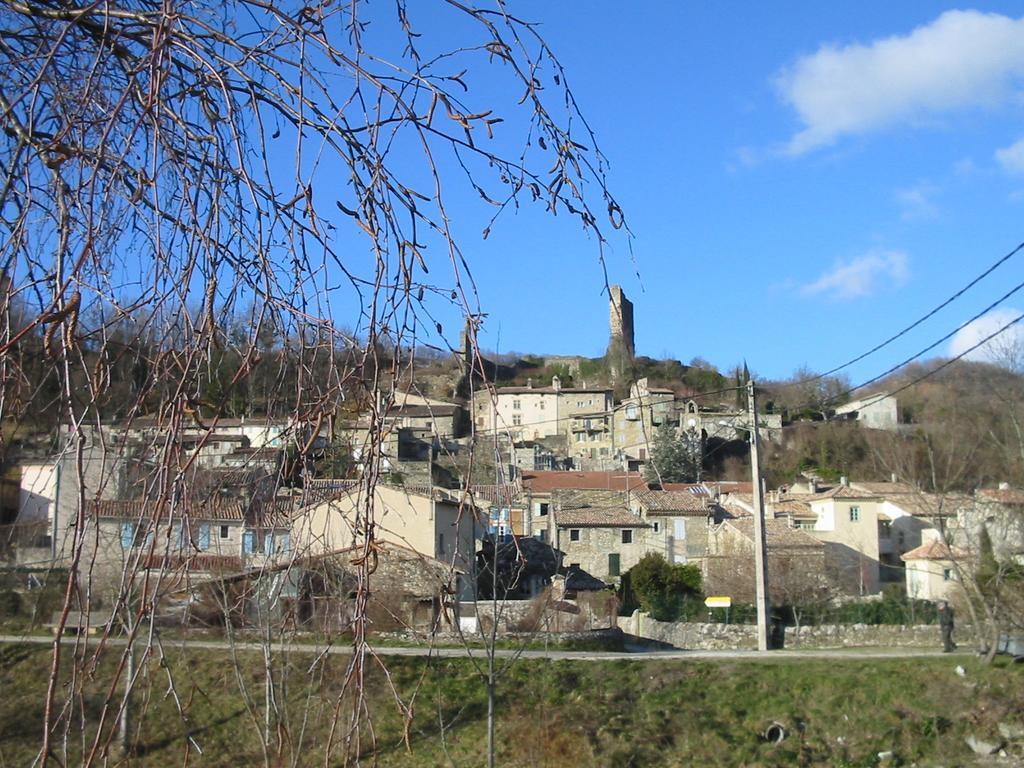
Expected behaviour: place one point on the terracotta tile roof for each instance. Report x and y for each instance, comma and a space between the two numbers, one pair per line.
135, 509
729, 486
194, 562
794, 507
673, 502
836, 492
779, 535
491, 494
932, 550
551, 390
545, 482
422, 411
1001, 495
698, 488
883, 489
576, 499
598, 517
928, 504
734, 510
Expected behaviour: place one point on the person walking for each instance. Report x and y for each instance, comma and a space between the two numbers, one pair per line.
946, 626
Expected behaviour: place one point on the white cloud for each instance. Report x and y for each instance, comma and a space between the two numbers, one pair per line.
998, 349
965, 167
1011, 158
859, 277
961, 59
916, 202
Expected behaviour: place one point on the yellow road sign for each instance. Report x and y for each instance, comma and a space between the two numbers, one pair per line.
718, 602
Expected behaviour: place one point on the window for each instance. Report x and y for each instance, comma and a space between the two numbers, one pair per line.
541, 508
574, 566
223, 531
248, 542
516, 405
854, 514
948, 574
574, 534
540, 405
631, 412
885, 529
805, 525
614, 564
542, 535
627, 536
127, 535
133, 535
203, 539
657, 526
517, 420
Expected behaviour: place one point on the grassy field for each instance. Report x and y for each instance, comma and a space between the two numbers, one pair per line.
550, 713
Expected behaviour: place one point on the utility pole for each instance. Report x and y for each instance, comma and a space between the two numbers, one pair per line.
760, 540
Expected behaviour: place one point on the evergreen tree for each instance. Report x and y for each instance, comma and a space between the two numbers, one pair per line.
674, 459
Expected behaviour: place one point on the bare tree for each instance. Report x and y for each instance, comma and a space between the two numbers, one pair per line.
169, 166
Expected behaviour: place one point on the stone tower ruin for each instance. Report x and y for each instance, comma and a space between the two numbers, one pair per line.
620, 321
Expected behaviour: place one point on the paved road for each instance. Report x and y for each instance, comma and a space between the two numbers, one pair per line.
459, 652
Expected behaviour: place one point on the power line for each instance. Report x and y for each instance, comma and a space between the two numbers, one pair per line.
932, 346
917, 322
960, 356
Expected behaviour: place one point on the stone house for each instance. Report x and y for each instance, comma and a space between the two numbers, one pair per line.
637, 419
679, 522
932, 574
190, 539
846, 520
879, 411
428, 521
797, 569
579, 416
598, 532
539, 489
1001, 512
404, 591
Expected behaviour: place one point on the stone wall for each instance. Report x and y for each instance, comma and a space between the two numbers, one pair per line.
713, 637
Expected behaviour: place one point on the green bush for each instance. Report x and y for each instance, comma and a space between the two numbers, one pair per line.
10, 603
659, 587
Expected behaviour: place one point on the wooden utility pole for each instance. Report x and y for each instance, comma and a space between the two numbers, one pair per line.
760, 539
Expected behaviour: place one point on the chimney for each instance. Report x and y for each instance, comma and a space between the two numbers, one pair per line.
529, 383
844, 481
556, 383
1004, 486
893, 476
812, 485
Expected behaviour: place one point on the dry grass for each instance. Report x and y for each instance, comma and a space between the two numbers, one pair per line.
615, 713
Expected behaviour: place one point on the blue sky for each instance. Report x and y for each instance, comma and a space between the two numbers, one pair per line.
801, 180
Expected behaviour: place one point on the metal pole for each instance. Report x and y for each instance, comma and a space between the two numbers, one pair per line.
760, 540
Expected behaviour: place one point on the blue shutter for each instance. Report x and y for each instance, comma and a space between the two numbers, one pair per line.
204, 537
179, 535
248, 542
127, 535
285, 540
268, 543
